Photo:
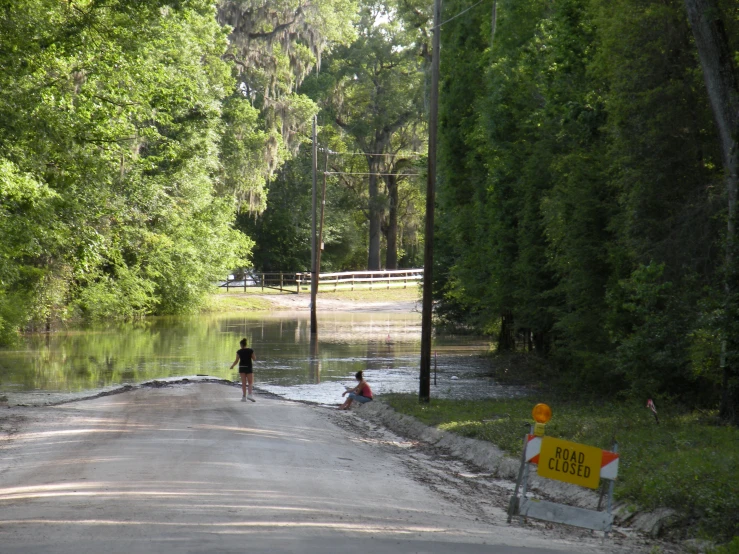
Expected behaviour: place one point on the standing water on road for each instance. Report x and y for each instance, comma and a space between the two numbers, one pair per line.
85, 361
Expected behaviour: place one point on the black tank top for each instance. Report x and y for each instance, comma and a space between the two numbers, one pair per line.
244, 355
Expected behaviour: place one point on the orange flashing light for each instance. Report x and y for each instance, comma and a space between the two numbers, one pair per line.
541, 413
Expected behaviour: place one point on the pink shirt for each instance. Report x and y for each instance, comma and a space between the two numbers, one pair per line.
365, 390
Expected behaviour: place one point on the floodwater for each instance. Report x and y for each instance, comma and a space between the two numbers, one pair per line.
386, 346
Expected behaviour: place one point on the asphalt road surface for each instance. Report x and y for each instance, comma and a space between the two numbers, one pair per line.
192, 469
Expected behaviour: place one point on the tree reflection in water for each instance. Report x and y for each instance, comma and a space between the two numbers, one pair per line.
385, 345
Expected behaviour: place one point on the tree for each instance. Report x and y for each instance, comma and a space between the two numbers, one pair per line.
282, 233
579, 179
375, 91
274, 46
662, 166
722, 83
401, 168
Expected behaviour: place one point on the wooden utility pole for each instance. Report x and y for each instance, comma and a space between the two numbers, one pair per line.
424, 394
323, 210
313, 255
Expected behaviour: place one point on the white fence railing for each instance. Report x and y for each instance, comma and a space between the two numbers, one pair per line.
300, 282
366, 279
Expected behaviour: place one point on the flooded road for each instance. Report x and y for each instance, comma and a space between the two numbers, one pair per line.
81, 362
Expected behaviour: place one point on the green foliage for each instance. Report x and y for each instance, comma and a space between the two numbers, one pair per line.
730, 548
687, 462
687, 465
123, 294
13, 314
110, 137
282, 233
243, 145
372, 90
579, 207
651, 324
27, 230
275, 45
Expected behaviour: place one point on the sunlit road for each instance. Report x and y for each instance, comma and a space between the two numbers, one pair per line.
193, 469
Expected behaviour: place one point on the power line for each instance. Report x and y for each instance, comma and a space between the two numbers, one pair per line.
381, 174
460, 13
369, 153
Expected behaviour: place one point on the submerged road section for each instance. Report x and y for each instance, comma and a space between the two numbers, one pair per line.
192, 469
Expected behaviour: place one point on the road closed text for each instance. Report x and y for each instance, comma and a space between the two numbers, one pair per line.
570, 462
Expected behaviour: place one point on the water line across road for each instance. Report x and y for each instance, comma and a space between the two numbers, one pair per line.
190, 468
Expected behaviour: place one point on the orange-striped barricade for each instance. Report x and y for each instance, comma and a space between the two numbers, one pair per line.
570, 462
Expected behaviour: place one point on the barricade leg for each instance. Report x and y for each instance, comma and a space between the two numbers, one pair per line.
514, 501
609, 505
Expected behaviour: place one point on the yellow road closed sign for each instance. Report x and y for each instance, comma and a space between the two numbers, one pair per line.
570, 462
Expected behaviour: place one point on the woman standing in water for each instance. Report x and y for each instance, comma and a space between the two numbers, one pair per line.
244, 357
361, 393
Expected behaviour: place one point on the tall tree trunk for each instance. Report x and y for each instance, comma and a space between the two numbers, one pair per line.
391, 256
507, 336
722, 83
375, 214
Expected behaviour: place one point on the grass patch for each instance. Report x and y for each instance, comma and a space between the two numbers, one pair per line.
253, 291
237, 303
378, 294
256, 299
688, 463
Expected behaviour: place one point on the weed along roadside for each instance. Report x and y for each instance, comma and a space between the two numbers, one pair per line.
675, 480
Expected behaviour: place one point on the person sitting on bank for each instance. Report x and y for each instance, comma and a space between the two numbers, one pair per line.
361, 393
